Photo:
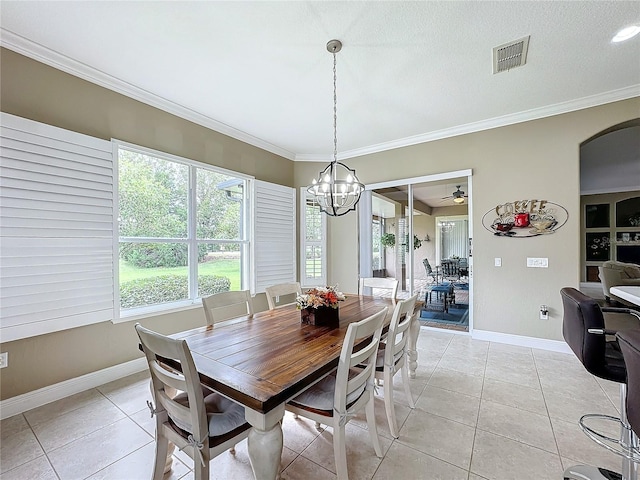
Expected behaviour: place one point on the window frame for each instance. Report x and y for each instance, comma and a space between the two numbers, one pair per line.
191, 239
305, 280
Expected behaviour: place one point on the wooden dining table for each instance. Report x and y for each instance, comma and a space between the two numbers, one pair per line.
264, 360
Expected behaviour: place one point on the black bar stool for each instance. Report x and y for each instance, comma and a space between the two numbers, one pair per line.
583, 328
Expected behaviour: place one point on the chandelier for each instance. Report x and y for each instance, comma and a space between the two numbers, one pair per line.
337, 189
446, 227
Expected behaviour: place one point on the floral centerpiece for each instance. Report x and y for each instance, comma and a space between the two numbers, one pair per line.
319, 306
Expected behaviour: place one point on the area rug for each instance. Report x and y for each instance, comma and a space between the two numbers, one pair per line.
458, 314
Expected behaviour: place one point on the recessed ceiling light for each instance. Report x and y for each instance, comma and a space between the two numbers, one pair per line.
626, 33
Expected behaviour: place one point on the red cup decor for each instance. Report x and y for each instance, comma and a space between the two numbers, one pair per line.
521, 220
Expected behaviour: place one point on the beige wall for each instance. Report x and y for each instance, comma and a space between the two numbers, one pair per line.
532, 160
32, 90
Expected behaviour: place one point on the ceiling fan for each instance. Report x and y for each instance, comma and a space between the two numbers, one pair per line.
458, 196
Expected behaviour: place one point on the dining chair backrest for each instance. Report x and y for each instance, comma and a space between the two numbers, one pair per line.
392, 358
379, 283
429, 269
427, 266
279, 290
398, 334
225, 305
450, 269
342, 394
202, 427
347, 385
191, 418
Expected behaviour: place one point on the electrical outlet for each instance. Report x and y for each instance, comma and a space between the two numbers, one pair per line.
544, 312
4, 359
537, 262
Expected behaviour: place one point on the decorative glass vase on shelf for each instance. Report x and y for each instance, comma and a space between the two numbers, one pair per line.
319, 306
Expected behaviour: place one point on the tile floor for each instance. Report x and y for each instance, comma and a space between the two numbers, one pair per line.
483, 411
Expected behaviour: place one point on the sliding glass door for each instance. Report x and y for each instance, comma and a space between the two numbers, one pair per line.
401, 229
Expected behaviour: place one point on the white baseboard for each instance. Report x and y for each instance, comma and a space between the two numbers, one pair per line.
531, 342
37, 398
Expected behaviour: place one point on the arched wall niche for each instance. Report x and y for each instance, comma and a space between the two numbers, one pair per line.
609, 181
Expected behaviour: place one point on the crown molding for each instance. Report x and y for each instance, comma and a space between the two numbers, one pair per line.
56, 60
528, 115
315, 157
61, 62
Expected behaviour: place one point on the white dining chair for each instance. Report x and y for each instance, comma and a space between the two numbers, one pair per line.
336, 398
392, 358
225, 305
280, 290
389, 285
202, 426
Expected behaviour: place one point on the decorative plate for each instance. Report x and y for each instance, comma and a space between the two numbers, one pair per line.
544, 218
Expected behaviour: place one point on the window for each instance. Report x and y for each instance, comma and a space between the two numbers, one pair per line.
378, 258
182, 230
313, 235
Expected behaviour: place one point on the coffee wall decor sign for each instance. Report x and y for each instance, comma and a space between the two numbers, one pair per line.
525, 218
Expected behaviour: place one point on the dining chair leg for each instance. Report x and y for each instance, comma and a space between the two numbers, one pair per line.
168, 464
340, 450
200, 471
162, 445
373, 430
388, 403
404, 371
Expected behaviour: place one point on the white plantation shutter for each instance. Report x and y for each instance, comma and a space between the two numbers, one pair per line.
274, 248
56, 237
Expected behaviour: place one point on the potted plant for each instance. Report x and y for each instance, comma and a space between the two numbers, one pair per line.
319, 306
389, 240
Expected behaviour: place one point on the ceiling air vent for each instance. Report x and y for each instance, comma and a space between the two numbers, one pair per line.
510, 55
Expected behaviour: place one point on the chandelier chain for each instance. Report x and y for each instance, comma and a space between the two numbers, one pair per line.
335, 110
337, 189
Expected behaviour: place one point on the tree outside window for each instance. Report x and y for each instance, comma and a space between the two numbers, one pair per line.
177, 243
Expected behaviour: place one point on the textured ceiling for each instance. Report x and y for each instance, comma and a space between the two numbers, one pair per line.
408, 71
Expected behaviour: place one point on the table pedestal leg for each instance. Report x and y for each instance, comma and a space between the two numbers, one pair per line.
412, 351
265, 443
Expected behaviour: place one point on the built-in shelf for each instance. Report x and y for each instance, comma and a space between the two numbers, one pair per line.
606, 220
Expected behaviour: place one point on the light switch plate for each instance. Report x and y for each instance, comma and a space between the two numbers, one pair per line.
4, 359
537, 262
497, 262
